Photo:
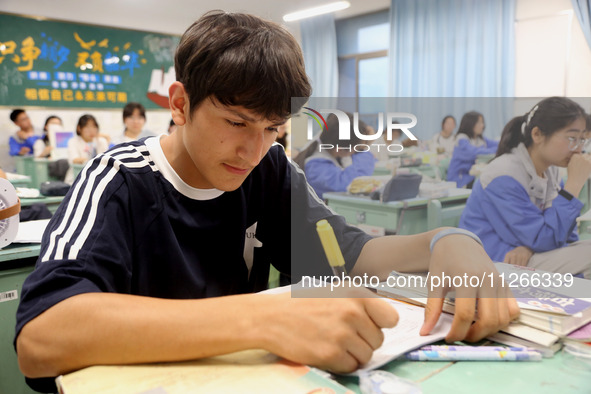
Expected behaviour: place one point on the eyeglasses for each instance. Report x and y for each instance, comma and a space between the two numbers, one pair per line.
574, 143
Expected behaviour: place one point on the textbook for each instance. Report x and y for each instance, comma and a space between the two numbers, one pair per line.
556, 310
582, 334
511, 340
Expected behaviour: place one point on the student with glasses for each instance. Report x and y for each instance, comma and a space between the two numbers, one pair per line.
520, 208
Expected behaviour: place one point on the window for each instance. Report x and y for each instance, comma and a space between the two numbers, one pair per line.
362, 43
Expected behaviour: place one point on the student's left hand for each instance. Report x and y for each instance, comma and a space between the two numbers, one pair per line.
518, 256
483, 305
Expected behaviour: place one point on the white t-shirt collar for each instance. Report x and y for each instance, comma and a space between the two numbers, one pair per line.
157, 154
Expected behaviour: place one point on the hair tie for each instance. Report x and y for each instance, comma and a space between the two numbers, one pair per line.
531, 114
529, 118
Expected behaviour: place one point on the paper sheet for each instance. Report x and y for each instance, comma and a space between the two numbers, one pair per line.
31, 232
402, 338
405, 336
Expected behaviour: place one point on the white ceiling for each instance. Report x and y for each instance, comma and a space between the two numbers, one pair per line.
170, 16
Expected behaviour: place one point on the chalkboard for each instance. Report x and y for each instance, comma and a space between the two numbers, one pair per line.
61, 64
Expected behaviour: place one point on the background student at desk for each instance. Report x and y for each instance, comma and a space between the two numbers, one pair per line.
154, 250
86, 144
21, 143
444, 141
470, 143
134, 119
518, 206
42, 147
331, 164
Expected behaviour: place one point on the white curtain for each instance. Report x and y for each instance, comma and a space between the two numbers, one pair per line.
452, 48
319, 44
583, 10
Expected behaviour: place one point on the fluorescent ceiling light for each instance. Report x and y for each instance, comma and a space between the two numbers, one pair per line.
323, 9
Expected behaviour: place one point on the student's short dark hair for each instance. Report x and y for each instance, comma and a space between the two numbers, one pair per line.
84, 120
14, 114
132, 106
240, 59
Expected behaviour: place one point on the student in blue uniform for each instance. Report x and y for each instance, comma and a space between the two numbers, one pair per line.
333, 163
154, 251
470, 143
21, 143
519, 207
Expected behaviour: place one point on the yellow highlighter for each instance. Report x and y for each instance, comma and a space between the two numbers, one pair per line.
331, 248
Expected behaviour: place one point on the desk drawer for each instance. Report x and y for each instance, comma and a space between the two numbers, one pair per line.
414, 219
373, 217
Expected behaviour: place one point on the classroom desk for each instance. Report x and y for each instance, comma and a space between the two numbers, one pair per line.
396, 217
22, 181
435, 171
18, 251
560, 374
52, 202
262, 375
16, 263
37, 169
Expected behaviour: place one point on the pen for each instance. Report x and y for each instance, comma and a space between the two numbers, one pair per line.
331, 248
473, 348
492, 355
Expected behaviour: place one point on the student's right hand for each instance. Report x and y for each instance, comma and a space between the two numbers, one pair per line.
24, 150
518, 256
579, 169
327, 331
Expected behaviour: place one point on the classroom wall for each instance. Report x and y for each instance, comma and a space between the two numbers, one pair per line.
552, 56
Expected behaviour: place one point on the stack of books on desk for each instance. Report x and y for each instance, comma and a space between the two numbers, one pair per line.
547, 316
